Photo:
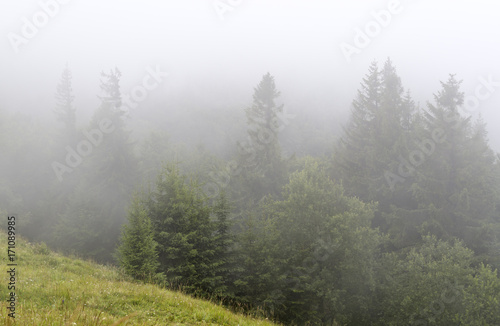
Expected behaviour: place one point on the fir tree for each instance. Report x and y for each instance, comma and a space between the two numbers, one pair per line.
65, 111
376, 134
110, 88
137, 252
222, 241
263, 171
455, 182
112, 158
107, 176
262, 120
184, 233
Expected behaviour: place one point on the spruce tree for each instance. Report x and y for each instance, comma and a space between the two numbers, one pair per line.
112, 165
184, 233
376, 134
255, 274
65, 111
455, 181
137, 252
262, 121
261, 168
107, 175
355, 148
222, 242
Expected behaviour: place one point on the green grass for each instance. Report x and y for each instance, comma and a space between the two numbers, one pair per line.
56, 290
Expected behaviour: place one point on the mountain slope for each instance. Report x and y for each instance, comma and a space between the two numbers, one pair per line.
52, 289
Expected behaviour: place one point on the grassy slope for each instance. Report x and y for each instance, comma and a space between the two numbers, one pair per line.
56, 290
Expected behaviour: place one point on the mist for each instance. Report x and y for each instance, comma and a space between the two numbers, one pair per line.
102, 101
221, 51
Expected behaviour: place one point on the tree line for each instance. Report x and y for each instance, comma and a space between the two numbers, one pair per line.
397, 223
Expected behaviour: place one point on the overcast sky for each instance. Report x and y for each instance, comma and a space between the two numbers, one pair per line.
227, 45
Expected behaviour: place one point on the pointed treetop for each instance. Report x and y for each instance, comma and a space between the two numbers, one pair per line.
110, 86
450, 97
64, 110
266, 91
390, 77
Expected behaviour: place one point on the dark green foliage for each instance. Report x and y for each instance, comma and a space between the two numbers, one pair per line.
426, 283
223, 261
137, 252
435, 283
481, 298
324, 249
254, 278
191, 247
260, 171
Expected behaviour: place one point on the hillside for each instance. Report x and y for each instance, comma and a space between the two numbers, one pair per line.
53, 289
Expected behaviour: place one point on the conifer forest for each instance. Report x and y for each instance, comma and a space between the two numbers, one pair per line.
312, 163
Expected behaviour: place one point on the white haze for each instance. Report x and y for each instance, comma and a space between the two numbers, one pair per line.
222, 60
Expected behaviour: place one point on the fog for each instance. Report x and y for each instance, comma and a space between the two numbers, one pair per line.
219, 53
312, 162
